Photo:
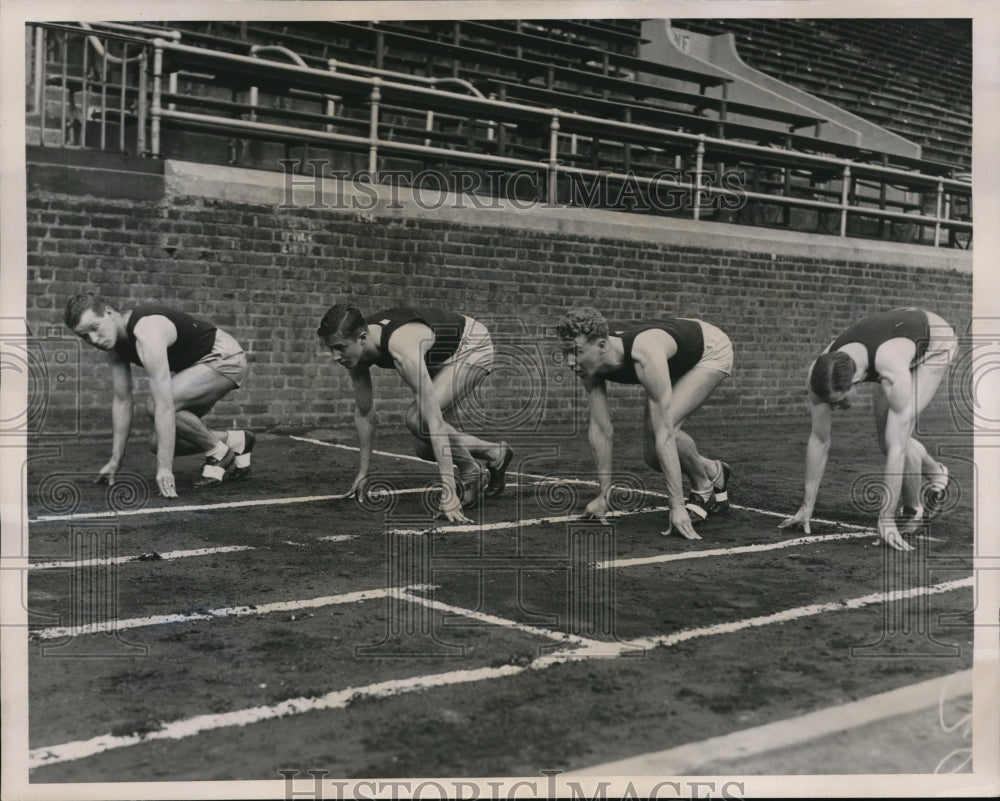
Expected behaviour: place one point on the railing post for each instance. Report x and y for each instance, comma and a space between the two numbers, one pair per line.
85, 91
937, 214
699, 164
121, 99
141, 109
844, 199
553, 164
154, 112
376, 97
39, 76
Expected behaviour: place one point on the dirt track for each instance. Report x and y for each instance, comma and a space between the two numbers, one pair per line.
551, 716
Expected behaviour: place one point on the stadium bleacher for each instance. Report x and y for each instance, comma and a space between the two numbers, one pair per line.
554, 96
912, 77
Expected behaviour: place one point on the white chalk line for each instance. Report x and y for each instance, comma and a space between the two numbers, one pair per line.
122, 624
804, 611
168, 555
338, 699
586, 483
120, 560
737, 549
483, 617
461, 528
690, 759
212, 507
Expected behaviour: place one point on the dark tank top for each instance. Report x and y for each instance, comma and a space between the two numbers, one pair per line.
686, 333
195, 338
874, 331
447, 326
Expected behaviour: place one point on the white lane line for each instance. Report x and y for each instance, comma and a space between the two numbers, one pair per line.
376, 495
57, 632
503, 622
587, 483
506, 524
685, 760
48, 755
337, 699
119, 560
337, 538
207, 507
738, 549
802, 611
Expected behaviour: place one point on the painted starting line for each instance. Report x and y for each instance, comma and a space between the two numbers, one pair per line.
579, 482
338, 699
537, 478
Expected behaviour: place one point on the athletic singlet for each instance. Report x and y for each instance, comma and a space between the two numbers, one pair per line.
686, 333
447, 326
195, 338
880, 328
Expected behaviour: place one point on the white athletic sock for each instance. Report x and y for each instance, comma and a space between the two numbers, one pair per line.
218, 451
940, 481
237, 440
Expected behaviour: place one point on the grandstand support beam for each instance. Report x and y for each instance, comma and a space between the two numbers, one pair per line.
845, 196
376, 98
699, 164
553, 158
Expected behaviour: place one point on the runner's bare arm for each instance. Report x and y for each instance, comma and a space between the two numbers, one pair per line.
364, 422
600, 434
121, 415
897, 383
651, 352
408, 346
153, 335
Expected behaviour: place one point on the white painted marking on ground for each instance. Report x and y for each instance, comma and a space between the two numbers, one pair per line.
207, 507
738, 549
337, 699
119, 560
811, 610
685, 760
212, 507
587, 483
57, 632
338, 538
49, 755
503, 622
506, 524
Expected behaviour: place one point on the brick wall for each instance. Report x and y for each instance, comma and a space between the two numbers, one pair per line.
267, 274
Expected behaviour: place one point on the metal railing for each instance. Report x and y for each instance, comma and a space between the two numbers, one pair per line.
156, 84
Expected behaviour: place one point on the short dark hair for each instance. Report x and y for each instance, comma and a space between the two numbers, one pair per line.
78, 304
585, 320
832, 372
341, 320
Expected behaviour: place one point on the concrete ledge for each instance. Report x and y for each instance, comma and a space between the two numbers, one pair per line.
240, 185
89, 172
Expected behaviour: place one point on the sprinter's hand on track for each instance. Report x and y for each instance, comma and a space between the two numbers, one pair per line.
597, 509
107, 474
800, 518
680, 521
